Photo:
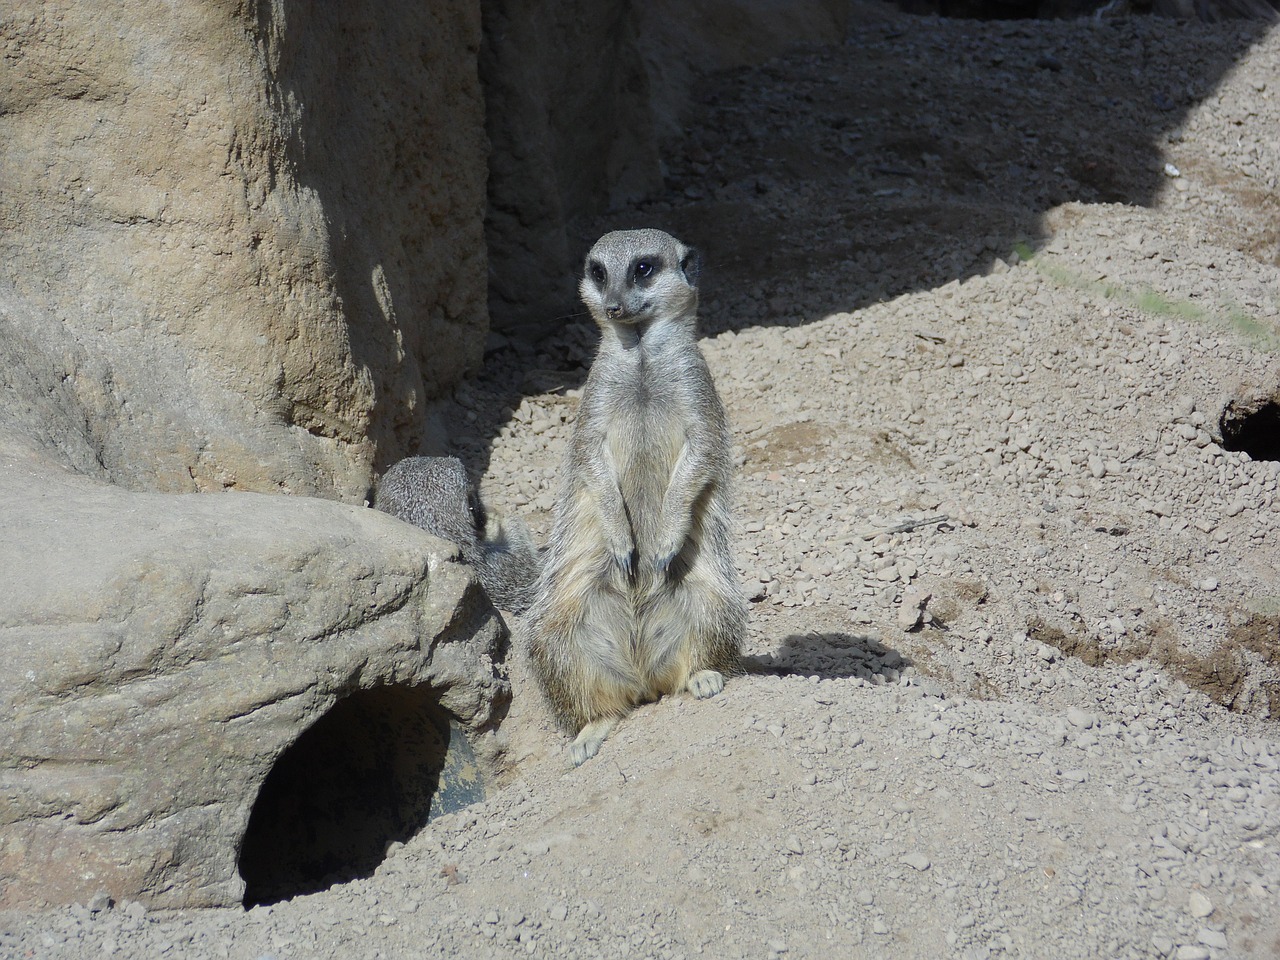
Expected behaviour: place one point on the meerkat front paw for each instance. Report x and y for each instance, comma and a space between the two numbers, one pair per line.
669, 548
587, 743
705, 683
622, 549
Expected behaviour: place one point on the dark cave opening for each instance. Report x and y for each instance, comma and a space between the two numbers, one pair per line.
1253, 428
373, 770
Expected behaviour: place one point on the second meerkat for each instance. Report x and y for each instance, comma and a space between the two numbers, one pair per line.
639, 595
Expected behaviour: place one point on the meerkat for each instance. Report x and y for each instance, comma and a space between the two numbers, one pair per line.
435, 494
639, 594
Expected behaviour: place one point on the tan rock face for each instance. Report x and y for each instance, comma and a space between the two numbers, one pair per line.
249, 240
162, 652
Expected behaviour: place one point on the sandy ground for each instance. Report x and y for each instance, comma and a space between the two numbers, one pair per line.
979, 298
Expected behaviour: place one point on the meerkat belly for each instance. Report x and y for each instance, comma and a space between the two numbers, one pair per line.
645, 448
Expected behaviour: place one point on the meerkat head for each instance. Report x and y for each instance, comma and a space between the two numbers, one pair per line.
637, 276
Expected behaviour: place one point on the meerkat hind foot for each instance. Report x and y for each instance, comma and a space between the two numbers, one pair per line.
587, 743
705, 683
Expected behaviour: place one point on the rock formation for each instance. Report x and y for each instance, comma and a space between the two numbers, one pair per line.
163, 651
242, 248
249, 236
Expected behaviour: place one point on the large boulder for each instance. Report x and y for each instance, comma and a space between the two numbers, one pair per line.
247, 238
580, 96
162, 653
571, 124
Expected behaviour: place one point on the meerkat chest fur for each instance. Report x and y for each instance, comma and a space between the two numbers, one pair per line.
648, 400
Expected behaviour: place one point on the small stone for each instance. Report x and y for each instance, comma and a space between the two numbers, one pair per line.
135, 910
1212, 938
880, 928
914, 600
794, 845
1198, 905
1192, 951
1078, 718
917, 861
982, 779
99, 902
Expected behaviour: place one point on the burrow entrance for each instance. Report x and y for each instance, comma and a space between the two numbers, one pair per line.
1252, 424
374, 769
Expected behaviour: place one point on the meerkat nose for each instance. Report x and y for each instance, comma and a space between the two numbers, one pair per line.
613, 311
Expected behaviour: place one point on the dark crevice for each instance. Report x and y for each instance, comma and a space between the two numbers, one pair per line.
1253, 428
366, 774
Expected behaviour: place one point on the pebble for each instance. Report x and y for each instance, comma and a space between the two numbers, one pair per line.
1212, 938
1078, 718
916, 861
1199, 906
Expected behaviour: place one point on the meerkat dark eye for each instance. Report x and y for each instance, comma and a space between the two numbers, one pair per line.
596, 272
644, 269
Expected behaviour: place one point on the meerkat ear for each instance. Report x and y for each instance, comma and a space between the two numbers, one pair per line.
691, 264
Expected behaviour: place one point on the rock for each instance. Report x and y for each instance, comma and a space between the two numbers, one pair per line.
911, 612
564, 91
164, 651
1198, 905
916, 861
577, 98
202, 290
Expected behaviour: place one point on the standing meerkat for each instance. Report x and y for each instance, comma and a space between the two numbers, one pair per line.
639, 594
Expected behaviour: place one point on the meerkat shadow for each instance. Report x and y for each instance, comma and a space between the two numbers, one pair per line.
831, 656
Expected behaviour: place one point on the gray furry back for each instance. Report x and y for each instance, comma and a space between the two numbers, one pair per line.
435, 494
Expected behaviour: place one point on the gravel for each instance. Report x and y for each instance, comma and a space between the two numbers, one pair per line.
977, 295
